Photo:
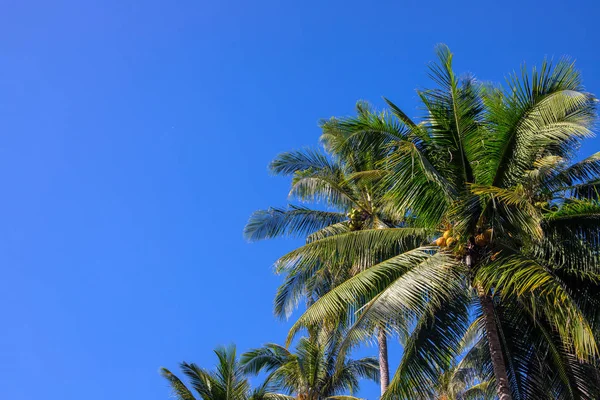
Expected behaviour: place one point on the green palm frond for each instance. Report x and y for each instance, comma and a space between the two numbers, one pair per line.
587, 190
547, 111
364, 247
512, 208
178, 387
519, 276
398, 284
415, 184
455, 112
260, 394
587, 169
403, 117
366, 178
291, 162
481, 391
432, 346
367, 368
576, 223
540, 366
331, 230
203, 381
575, 212
269, 357
294, 221
323, 186
368, 134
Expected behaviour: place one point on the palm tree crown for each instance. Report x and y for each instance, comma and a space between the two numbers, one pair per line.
315, 370
227, 382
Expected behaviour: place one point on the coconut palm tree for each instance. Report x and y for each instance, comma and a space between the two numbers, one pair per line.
458, 384
493, 170
348, 182
227, 382
313, 371
470, 377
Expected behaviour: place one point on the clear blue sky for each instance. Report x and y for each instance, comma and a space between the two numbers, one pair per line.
134, 140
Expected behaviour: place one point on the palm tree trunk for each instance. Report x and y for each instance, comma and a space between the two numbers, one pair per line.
384, 368
493, 337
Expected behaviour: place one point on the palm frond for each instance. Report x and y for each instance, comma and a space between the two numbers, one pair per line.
323, 186
291, 162
295, 221
575, 212
519, 276
331, 230
587, 169
407, 282
178, 387
432, 346
363, 247
550, 110
485, 390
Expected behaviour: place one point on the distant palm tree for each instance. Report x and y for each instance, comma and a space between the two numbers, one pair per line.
348, 182
456, 384
493, 170
227, 382
312, 371
471, 378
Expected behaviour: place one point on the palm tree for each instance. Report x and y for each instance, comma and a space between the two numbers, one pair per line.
227, 382
470, 377
313, 371
493, 170
457, 384
348, 182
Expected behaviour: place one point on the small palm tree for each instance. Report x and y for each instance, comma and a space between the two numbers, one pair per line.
471, 378
349, 184
227, 382
313, 371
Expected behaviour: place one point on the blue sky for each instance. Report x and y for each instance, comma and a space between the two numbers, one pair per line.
134, 140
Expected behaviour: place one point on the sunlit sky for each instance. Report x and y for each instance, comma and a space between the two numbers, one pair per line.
134, 140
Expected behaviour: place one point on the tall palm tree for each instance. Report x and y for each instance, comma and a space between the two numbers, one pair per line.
313, 371
493, 170
348, 182
227, 382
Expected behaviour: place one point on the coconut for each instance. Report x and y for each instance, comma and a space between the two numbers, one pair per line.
450, 241
441, 241
480, 240
447, 234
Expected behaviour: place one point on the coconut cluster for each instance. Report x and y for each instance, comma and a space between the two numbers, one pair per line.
446, 240
357, 218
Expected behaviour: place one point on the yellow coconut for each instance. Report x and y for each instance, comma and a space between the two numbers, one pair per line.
450, 241
480, 240
441, 241
447, 234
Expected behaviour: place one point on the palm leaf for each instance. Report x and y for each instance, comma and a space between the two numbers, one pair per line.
295, 221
